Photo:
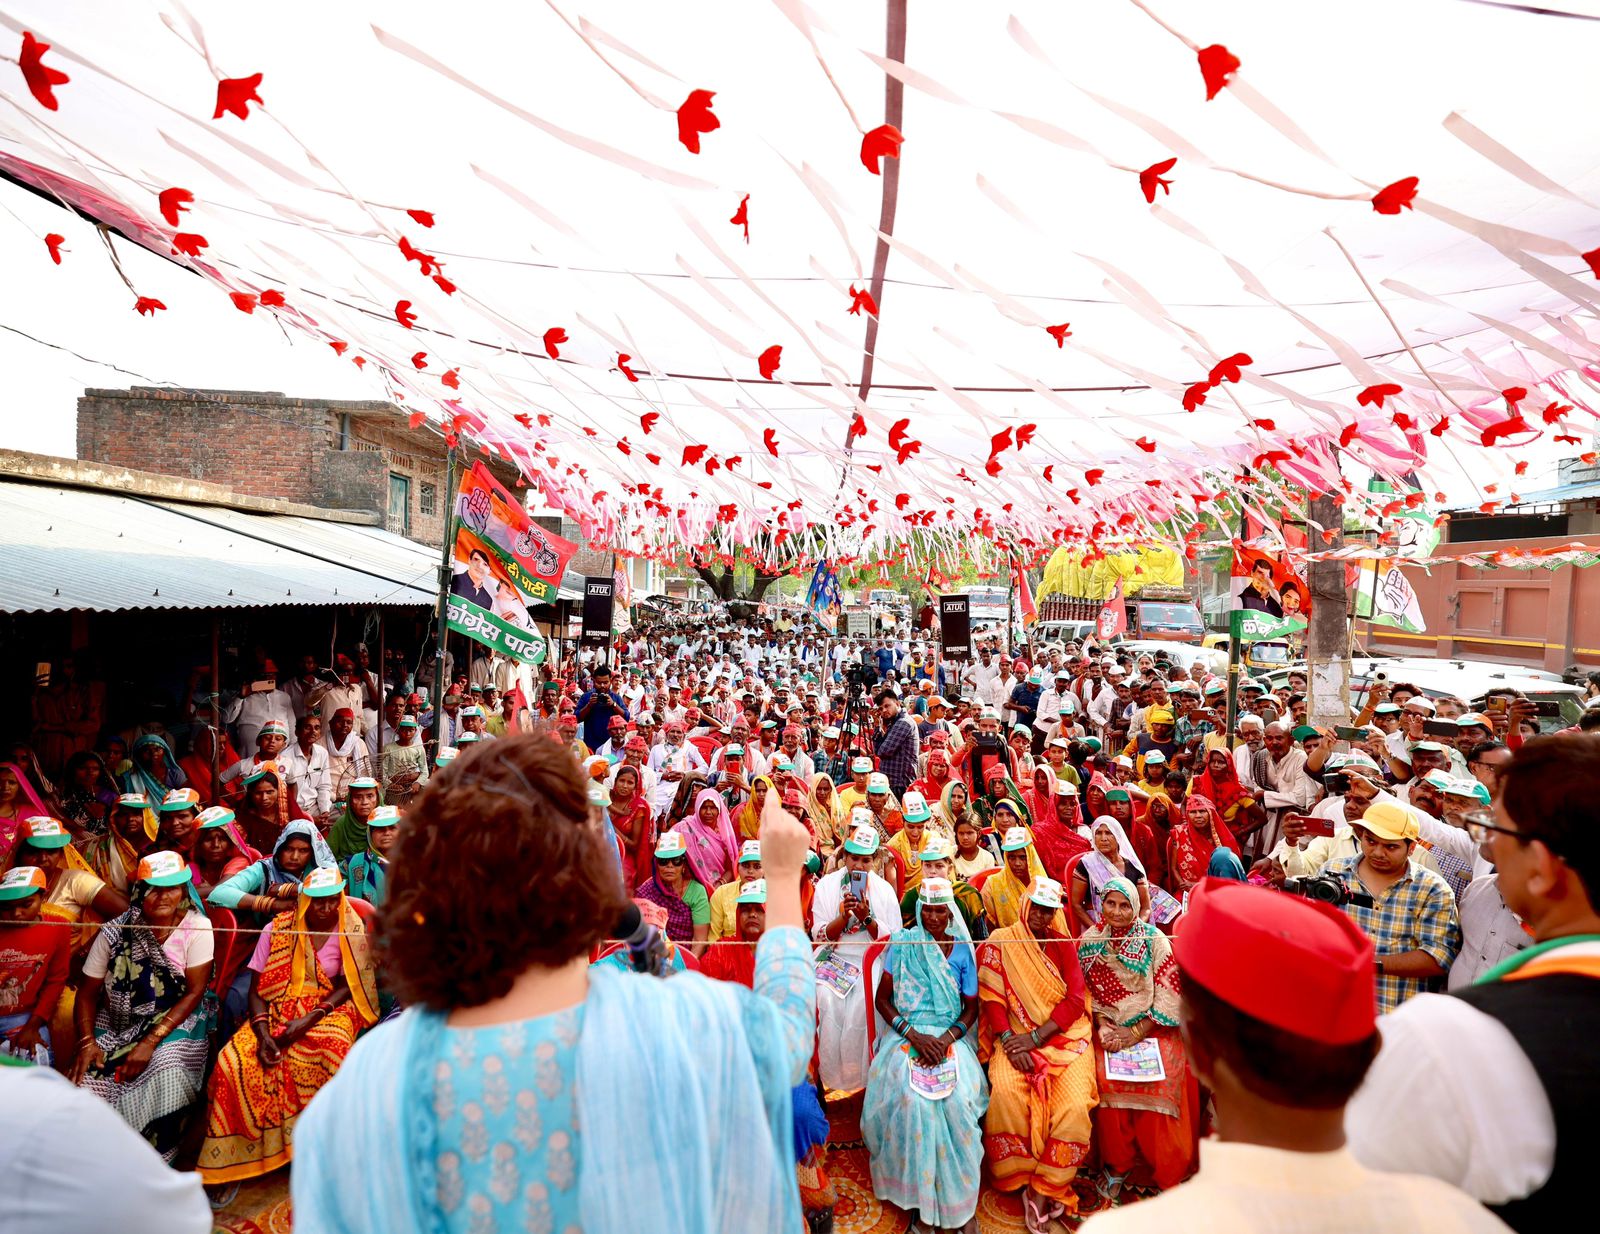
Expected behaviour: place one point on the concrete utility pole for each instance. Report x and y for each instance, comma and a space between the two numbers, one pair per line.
1328, 638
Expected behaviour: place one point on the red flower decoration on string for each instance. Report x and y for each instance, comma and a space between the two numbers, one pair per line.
244, 301
1513, 395
694, 118
906, 450
1195, 395
1217, 66
1593, 258
1506, 428
1145, 444
862, 300
53, 242
172, 203
741, 216
622, 363
1439, 429
692, 455
235, 94
769, 360
1150, 179
1092, 476
858, 426
404, 315
452, 378
339, 346
1395, 197
883, 142
1551, 413
553, 338
148, 306
445, 285
1373, 396
1060, 333
1228, 369
41, 78
423, 218
648, 421
426, 261
273, 299
188, 243
770, 440
419, 360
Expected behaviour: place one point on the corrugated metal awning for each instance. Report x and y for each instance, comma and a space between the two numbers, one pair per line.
75, 548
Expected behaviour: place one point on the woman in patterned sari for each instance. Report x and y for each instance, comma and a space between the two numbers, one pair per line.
1005, 892
1193, 842
1143, 1128
115, 855
1035, 1034
927, 1156
143, 1013
829, 819
313, 991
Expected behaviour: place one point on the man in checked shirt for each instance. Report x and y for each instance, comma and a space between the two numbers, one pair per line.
1412, 920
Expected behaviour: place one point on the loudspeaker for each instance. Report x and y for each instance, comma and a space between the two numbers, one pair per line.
955, 627
597, 599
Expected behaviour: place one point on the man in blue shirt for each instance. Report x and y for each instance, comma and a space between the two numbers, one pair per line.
596, 708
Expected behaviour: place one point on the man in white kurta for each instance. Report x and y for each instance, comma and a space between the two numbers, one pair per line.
851, 923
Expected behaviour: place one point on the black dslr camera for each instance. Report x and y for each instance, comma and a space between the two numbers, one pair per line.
1329, 888
860, 676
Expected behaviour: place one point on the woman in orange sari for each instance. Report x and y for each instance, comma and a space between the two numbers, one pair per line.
312, 991
1035, 1033
632, 820
1145, 1128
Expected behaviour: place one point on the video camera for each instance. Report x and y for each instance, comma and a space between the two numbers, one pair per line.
1329, 888
860, 676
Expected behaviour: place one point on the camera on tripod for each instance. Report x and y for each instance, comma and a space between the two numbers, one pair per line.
860, 676
1329, 888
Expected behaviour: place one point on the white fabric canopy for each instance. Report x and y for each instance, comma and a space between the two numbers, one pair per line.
543, 139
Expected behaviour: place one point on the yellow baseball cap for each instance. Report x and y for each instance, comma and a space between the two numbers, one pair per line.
1389, 820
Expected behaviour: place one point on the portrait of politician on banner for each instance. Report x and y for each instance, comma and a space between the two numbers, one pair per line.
1273, 601
501, 564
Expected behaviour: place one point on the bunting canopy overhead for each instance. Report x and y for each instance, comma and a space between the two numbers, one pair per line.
825, 279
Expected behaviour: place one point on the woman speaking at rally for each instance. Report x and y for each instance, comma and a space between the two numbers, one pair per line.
524, 1089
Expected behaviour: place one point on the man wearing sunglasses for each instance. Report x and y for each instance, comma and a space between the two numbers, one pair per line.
1494, 1088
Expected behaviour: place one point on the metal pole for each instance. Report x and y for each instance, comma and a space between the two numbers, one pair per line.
444, 593
216, 703
382, 668
1328, 638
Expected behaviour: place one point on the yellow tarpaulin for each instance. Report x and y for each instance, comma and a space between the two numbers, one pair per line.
1065, 574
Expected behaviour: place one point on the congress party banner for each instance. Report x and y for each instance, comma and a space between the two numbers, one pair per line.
1270, 600
502, 563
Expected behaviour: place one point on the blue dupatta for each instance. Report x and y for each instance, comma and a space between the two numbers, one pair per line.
660, 1064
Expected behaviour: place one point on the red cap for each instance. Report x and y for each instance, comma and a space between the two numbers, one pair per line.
1292, 963
346, 712
792, 797
269, 669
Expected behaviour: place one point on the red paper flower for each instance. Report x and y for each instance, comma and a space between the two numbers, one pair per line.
906, 450
694, 118
1145, 444
235, 94
445, 285
1395, 197
419, 360
553, 338
41, 78
423, 218
1228, 369
1060, 333
883, 142
1092, 476
741, 216
244, 301
452, 378
1551, 413
768, 361
1195, 395
862, 300
622, 363
1593, 258
1217, 65
426, 261
273, 299
1150, 179
188, 243
1373, 396
692, 455
1439, 429
53, 242
339, 346
770, 440
858, 426
172, 203
148, 306
648, 421
1505, 428
404, 315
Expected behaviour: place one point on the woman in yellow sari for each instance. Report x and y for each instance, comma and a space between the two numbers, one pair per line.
750, 812
829, 818
1005, 892
1036, 1035
114, 855
312, 992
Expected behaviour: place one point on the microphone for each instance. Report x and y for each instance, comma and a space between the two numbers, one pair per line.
647, 951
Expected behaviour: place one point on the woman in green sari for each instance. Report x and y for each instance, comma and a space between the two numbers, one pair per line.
348, 835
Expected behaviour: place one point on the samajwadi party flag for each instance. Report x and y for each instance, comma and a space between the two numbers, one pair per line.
1384, 596
1113, 617
501, 563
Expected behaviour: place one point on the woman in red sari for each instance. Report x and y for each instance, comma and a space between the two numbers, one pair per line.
630, 815
1200, 834
931, 783
1219, 784
1040, 798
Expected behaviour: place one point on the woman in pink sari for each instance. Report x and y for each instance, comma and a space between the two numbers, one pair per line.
708, 834
1041, 795
17, 802
1194, 839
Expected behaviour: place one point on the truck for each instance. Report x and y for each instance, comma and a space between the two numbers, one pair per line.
1160, 613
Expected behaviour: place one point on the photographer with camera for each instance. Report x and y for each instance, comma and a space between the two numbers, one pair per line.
897, 744
1412, 919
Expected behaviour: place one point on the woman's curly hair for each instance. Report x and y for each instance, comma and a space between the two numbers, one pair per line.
496, 868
